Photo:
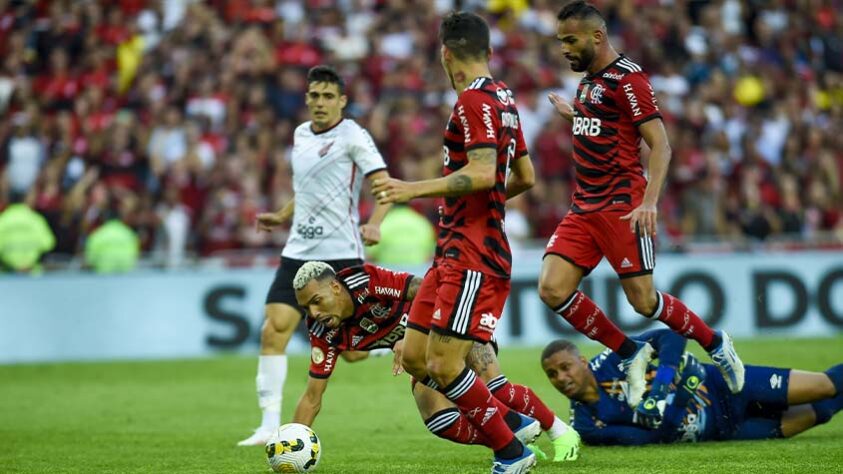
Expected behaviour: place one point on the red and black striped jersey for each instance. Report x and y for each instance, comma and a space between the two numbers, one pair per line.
471, 227
609, 107
380, 315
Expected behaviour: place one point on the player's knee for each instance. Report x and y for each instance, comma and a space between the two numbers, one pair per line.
553, 295
442, 370
414, 364
644, 301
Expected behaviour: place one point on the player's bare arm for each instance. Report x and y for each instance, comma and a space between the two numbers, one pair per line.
522, 176
311, 401
370, 232
477, 175
562, 106
268, 221
645, 215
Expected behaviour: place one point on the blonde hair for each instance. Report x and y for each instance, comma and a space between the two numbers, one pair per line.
313, 270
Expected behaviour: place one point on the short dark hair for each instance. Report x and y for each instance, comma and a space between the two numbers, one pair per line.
466, 34
323, 73
579, 10
559, 345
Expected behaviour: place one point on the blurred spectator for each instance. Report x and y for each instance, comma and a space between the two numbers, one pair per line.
186, 109
112, 247
407, 238
24, 237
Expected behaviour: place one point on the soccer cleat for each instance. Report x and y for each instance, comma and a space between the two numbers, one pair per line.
520, 465
567, 446
258, 438
529, 431
635, 367
728, 362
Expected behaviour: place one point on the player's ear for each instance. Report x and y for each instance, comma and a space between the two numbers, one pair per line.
598, 36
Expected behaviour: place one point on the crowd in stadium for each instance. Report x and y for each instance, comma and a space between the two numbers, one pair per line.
177, 116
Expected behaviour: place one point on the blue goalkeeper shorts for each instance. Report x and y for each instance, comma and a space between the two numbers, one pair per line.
757, 410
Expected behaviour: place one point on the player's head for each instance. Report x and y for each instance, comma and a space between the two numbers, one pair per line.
320, 294
581, 30
325, 98
465, 39
565, 368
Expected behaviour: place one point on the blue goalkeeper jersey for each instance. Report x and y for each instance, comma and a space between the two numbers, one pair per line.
696, 409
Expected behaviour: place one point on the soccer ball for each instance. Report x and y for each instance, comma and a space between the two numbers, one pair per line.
293, 448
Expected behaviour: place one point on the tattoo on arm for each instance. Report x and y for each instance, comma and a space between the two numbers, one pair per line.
440, 337
459, 184
413, 289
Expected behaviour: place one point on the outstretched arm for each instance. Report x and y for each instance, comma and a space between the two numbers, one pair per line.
311, 401
477, 175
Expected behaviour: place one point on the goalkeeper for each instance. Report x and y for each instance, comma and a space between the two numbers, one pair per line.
685, 399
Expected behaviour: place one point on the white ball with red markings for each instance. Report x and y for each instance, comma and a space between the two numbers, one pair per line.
293, 448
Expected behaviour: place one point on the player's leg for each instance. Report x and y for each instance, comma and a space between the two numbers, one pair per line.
482, 359
819, 396
281, 317
414, 357
468, 307
443, 418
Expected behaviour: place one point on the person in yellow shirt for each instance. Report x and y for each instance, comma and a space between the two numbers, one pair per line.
112, 248
24, 237
407, 238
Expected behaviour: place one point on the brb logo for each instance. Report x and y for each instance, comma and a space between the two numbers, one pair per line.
488, 322
587, 126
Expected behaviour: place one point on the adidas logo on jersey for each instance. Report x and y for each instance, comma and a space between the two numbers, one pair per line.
625, 263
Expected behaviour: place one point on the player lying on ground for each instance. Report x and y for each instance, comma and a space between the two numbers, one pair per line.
695, 400
365, 308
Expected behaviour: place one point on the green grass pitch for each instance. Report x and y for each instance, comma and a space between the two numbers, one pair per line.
186, 416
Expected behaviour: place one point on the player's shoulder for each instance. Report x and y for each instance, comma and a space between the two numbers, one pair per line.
303, 130
355, 277
624, 70
486, 90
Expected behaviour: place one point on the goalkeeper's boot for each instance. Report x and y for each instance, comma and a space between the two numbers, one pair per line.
728, 362
635, 367
529, 430
520, 465
258, 438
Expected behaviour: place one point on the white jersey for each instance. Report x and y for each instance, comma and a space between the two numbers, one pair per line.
328, 171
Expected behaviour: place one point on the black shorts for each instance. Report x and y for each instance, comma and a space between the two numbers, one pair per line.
281, 290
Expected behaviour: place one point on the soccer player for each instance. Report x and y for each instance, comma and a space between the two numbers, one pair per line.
365, 308
330, 157
463, 294
613, 211
699, 406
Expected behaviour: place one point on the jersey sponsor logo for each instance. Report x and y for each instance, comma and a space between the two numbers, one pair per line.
613, 75
310, 231
775, 381
393, 292
324, 150
368, 325
488, 322
587, 126
361, 297
633, 101
393, 336
464, 122
487, 120
508, 119
317, 356
597, 94
330, 358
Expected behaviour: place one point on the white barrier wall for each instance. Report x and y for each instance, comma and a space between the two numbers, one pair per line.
188, 314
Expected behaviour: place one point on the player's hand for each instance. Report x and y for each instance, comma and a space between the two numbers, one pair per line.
562, 106
643, 217
649, 412
389, 190
268, 221
398, 350
370, 233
